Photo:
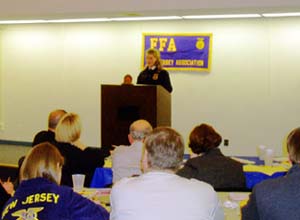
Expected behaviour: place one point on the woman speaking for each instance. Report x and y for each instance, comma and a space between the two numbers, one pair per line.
154, 74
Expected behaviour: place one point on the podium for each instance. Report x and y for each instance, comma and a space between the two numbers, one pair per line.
123, 104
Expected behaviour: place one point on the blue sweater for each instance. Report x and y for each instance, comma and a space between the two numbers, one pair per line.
40, 199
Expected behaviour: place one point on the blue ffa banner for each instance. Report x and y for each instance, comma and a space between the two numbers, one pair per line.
185, 52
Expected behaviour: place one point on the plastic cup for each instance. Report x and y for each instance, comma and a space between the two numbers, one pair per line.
261, 151
78, 182
269, 156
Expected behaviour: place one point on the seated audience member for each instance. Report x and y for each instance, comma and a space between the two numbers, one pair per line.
39, 195
127, 80
6, 190
159, 193
46, 136
126, 160
278, 199
49, 135
209, 164
79, 159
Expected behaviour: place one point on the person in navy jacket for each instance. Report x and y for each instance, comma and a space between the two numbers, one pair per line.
278, 199
154, 74
39, 195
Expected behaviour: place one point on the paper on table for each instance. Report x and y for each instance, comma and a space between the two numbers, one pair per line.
238, 196
244, 161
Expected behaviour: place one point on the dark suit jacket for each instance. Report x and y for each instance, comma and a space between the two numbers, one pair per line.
44, 136
275, 199
162, 78
79, 161
76, 160
223, 173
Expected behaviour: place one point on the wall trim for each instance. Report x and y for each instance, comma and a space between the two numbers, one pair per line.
16, 143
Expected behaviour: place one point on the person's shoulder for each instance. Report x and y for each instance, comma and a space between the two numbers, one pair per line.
126, 184
144, 71
42, 136
195, 189
163, 72
271, 184
43, 132
196, 161
120, 150
127, 181
196, 185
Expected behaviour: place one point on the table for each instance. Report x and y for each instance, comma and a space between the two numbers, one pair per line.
102, 197
253, 174
258, 172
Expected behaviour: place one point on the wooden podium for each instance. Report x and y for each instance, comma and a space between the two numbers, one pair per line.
123, 104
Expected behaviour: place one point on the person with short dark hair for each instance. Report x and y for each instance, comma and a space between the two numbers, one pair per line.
39, 195
49, 135
278, 199
127, 80
209, 164
159, 193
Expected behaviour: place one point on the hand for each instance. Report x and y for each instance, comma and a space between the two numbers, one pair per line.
8, 186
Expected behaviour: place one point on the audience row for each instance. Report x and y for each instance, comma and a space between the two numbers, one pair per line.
150, 179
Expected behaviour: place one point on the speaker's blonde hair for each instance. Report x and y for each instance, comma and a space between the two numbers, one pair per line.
156, 54
68, 129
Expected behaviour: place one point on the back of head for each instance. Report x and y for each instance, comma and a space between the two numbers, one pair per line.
165, 149
203, 138
54, 118
68, 129
45, 161
293, 145
140, 129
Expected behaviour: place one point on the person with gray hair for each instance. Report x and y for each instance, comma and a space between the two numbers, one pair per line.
159, 193
126, 160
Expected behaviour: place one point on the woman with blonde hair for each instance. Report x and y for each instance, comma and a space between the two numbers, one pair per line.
79, 159
154, 74
39, 195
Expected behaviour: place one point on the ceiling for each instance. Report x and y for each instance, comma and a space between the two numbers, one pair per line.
29, 9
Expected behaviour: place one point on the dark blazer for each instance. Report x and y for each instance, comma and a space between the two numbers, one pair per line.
223, 173
275, 199
4, 196
41, 199
44, 136
155, 77
77, 161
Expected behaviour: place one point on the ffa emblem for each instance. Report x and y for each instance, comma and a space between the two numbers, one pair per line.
200, 44
29, 214
155, 76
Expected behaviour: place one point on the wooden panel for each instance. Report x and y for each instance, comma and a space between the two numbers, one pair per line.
121, 105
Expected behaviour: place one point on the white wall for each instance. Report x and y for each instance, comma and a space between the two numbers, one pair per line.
251, 95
